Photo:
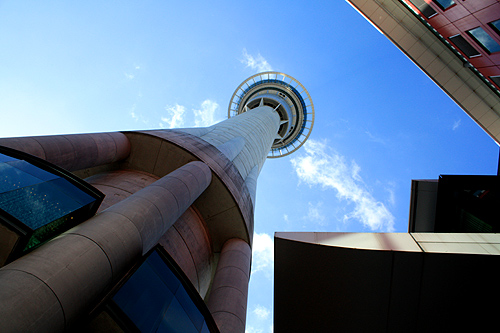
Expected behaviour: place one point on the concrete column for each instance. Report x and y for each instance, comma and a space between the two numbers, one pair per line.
76, 151
47, 289
188, 243
250, 135
228, 297
119, 184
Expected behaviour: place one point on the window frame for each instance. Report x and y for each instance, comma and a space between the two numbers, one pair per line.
480, 43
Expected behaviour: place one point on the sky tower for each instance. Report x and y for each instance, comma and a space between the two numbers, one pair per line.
148, 230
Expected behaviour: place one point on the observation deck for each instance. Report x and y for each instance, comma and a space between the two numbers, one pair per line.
288, 97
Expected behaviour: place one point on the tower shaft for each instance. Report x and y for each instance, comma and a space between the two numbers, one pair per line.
188, 192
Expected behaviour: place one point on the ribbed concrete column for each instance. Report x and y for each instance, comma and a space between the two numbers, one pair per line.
76, 151
49, 288
119, 184
188, 243
250, 135
228, 297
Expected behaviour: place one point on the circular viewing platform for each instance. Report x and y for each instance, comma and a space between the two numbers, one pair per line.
285, 95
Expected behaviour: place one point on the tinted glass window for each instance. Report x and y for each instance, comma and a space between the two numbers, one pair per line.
495, 25
176, 320
12, 178
424, 8
155, 300
5, 158
144, 298
40, 203
484, 40
464, 46
496, 79
444, 4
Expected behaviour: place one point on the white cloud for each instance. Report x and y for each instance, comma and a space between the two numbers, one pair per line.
261, 312
456, 124
174, 118
391, 189
323, 166
137, 116
206, 115
257, 63
263, 254
374, 138
285, 217
129, 76
314, 213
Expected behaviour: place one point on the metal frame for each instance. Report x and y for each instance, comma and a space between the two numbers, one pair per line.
277, 82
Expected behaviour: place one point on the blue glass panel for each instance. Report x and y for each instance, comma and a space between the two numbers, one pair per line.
205, 329
68, 189
495, 25
444, 4
485, 40
163, 271
176, 320
33, 170
12, 178
5, 158
190, 308
37, 205
144, 298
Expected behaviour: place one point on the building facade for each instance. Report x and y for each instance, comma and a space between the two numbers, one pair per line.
440, 275
170, 245
436, 35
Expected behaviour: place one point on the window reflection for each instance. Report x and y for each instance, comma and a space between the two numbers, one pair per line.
38, 201
484, 40
444, 4
155, 300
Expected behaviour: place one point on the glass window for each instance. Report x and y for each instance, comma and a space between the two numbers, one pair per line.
444, 4
496, 79
155, 300
144, 298
33, 170
495, 25
189, 307
12, 178
176, 320
424, 8
464, 46
484, 40
5, 158
39, 200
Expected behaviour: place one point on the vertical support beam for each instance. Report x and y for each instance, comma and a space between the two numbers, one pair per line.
46, 290
228, 297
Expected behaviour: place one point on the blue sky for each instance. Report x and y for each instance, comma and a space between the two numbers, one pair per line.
70, 67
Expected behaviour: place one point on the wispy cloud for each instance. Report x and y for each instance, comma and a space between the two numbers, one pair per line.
263, 254
262, 312
206, 115
456, 124
129, 76
314, 213
374, 138
322, 166
174, 118
257, 63
136, 115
